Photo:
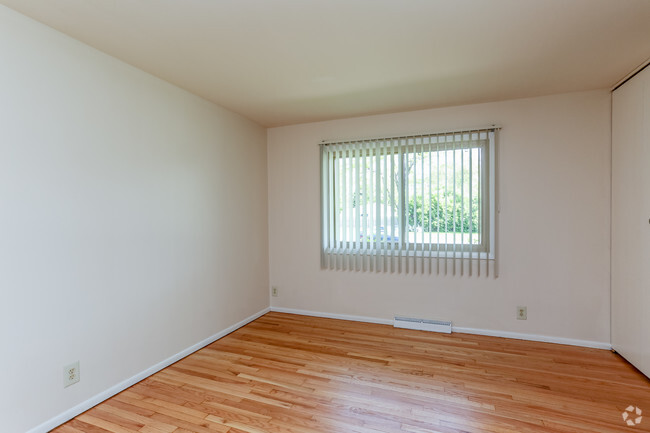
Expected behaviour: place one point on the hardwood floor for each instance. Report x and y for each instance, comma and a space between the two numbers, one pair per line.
298, 374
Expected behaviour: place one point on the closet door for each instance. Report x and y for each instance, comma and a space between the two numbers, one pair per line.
631, 220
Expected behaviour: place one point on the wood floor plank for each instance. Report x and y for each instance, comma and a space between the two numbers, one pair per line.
107, 425
285, 373
68, 428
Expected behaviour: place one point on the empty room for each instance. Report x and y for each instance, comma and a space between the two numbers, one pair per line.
310, 216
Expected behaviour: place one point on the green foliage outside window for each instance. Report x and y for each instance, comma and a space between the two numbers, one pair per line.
434, 216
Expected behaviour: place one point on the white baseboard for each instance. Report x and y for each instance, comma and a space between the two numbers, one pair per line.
459, 329
93, 401
333, 316
104, 395
534, 337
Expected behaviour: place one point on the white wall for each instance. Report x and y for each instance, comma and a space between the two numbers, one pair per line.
554, 172
133, 220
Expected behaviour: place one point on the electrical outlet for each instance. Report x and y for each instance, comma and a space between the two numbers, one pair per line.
522, 313
71, 374
274, 291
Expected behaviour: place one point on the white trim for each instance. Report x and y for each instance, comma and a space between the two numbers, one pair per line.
333, 316
104, 395
533, 337
630, 75
476, 331
110, 392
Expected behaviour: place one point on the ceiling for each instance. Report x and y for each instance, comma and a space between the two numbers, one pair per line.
282, 62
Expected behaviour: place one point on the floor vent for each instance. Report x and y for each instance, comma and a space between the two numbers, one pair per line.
422, 324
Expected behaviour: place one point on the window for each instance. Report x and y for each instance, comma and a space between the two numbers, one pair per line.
421, 203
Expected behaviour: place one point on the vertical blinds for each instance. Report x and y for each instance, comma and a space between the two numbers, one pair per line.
414, 204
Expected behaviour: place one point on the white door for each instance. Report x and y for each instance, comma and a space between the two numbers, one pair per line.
631, 220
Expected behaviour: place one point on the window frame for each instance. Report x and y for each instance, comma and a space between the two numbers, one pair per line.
487, 205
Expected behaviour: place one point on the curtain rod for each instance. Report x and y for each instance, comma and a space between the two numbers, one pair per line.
397, 137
